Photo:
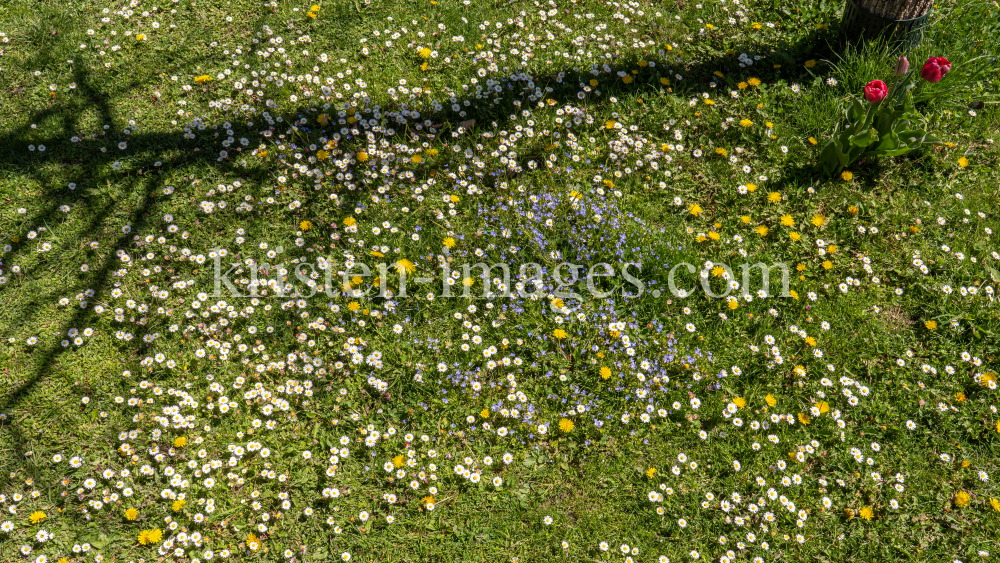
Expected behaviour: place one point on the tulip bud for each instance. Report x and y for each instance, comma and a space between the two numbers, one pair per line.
902, 65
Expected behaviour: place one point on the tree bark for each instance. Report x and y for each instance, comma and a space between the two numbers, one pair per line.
897, 9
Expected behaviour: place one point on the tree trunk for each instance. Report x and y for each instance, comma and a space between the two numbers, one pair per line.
897, 9
899, 22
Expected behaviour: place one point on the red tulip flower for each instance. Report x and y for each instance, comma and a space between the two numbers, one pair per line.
935, 68
876, 91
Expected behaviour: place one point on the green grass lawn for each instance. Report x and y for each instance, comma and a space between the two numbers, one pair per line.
195, 365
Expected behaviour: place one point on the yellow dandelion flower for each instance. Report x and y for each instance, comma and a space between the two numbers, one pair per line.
405, 265
305, 225
794, 236
963, 162
846, 176
770, 400
362, 156
449, 242
774, 197
606, 374
867, 513
931, 325
745, 122
762, 230
559, 333
131, 514
811, 63
812, 140
787, 220
754, 81
566, 425
962, 499
695, 209
740, 402
988, 378
721, 151
803, 418
36, 517
203, 79
180, 442
178, 505
827, 264
398, 461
